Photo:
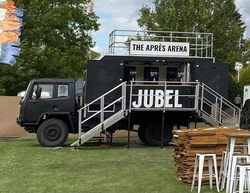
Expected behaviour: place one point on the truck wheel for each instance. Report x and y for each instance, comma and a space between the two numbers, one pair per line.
141, 133
153, 134
52, 133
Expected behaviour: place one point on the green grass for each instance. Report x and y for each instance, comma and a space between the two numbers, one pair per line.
26, 167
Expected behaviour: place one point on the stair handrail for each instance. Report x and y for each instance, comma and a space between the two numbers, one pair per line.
96, 113
222, 100
226, 115
123, 106
102, 96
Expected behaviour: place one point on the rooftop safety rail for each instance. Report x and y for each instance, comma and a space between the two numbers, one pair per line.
201, 44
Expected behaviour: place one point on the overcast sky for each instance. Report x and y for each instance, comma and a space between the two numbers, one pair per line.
122, 14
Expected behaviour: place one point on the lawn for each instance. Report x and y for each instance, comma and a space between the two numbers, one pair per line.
26, 167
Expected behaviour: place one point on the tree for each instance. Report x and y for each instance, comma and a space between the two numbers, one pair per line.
94, 55
245, 76
219, 17
55, 42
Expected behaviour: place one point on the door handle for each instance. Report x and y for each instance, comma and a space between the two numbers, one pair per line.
56, 108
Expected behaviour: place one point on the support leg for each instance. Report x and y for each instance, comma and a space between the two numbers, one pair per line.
216, 173
195, 170
210, 169
129, 125
242, 179
201, 164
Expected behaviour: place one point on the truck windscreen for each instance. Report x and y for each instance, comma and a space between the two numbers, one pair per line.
25, 95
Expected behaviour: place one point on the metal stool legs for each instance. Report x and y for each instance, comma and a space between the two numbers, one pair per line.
199, 160
243, 175
236, 159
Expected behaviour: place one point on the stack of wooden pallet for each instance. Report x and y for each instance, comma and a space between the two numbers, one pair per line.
188, 142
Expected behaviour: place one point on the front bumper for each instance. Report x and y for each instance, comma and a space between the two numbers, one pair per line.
18, 121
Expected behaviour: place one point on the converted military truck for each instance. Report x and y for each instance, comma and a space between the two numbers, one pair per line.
160, 81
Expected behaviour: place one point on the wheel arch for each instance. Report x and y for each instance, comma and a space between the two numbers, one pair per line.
65, 117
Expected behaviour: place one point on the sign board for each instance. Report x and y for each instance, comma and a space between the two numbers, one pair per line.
157, 97
159, 48
238, 66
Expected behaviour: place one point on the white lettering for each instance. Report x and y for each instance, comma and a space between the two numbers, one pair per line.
168, 97
176, 99
151, 98
156, 99
139, 103
159, 101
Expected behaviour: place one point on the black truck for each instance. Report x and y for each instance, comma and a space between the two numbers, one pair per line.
168, 81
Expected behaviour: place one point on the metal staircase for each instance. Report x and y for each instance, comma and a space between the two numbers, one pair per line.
104, 124
219, 110
100, 127
210, 106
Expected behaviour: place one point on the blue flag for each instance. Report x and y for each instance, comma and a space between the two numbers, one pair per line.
7, 53
18, 13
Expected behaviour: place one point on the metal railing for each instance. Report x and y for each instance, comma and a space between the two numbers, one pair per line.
201, 44
82, 113
223, 111
204, 101
165, 85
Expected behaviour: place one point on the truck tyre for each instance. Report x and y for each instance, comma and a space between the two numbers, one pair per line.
52, 133
153, 134
141, 133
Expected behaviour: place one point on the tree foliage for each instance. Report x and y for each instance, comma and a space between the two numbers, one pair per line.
245, 75
235, 89
55, 42
219, 17
94, 55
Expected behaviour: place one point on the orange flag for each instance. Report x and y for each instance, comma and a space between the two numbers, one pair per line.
10, 17
9, 7
10, 25
11, 2
8, 37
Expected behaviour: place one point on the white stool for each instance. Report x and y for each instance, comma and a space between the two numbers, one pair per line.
200, 159
237, 158
223, 170
241, 172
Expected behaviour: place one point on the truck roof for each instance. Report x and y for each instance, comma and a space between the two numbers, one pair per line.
54, 80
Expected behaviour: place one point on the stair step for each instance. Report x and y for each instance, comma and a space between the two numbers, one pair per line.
100, 127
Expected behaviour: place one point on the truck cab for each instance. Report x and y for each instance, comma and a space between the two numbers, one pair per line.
48, 108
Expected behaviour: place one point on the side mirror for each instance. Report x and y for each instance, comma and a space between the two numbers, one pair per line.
38, 92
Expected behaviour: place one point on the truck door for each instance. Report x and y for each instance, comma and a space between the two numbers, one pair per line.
34, 108
103, 76
215, 75
64, 98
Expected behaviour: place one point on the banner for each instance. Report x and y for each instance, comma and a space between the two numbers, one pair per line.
10, 23
159, 48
